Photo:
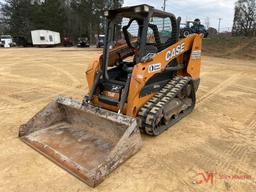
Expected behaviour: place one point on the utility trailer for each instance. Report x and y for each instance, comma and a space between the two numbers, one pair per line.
45, 38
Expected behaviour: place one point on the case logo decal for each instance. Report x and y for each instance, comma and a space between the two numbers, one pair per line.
175, 52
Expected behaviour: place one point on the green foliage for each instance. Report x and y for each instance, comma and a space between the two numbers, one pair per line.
17, 16
245, 18
72, 18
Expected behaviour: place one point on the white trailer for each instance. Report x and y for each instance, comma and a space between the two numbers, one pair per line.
45, 38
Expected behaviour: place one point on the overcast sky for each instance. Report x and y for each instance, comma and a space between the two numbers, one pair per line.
191, 9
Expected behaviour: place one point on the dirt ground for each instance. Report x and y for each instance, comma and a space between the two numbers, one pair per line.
213, 149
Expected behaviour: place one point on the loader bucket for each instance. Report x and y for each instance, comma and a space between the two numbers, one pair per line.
87, 141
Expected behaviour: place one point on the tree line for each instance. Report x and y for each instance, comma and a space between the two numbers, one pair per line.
83, 18
72, 18
245, 18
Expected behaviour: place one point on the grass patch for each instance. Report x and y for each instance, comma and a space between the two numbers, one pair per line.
230, 47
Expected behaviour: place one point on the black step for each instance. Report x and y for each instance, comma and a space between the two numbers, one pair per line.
108, 100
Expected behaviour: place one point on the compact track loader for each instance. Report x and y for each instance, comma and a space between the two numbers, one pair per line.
145, 81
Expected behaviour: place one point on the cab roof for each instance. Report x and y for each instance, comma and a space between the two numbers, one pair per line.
137, 11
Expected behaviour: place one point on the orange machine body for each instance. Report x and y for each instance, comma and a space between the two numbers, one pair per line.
142, 71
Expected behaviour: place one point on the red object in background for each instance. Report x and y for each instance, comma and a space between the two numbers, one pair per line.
67, 42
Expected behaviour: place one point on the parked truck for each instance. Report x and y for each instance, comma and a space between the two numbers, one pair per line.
83, 42
45, 38
6, 41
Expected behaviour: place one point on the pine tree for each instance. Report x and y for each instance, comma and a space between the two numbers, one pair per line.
17, 16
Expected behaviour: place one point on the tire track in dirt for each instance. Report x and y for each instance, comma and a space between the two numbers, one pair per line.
225, 161
11, 100
178, 175
246, 88
69, 75
219, 88
252, 125
6, 117
238, 151
244, 133
235, 150
22, 104
40, 83
34, 102
4, 106
241, 141
58, 69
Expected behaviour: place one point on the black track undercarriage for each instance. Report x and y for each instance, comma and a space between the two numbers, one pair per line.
174, 101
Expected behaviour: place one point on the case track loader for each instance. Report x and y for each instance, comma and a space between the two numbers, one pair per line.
145, 81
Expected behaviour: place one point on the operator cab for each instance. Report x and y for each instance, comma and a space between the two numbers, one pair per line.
133, 35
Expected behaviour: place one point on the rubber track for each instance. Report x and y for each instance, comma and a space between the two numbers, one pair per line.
153, 108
